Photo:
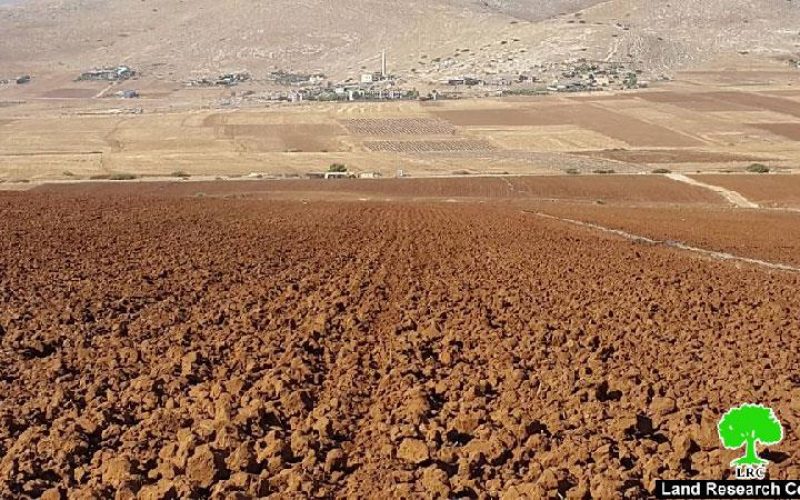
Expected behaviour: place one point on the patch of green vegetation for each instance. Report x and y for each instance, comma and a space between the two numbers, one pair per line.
572, 171
67, 173
122, 176
337, 167
662, 171
116, 176
758, 168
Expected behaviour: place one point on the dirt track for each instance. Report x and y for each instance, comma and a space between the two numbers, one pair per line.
185, 346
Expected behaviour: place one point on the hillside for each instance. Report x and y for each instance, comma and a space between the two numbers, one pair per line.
175, 40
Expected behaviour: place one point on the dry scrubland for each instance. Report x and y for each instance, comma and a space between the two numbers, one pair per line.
248, 339
426, 39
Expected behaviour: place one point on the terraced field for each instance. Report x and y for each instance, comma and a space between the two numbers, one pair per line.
155, 343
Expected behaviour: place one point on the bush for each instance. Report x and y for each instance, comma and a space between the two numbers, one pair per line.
572, 171
119, 176
181, 174
758, 168
662, 171
604, 171
337, 167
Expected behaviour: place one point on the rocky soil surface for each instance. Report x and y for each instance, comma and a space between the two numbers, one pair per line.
155, 347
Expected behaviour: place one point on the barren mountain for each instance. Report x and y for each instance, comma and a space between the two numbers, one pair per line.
174, 39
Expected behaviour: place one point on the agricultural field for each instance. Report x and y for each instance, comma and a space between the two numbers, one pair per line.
63, 130
446, 146
757, 234
405, 338
656, 190
399, 126
772, 191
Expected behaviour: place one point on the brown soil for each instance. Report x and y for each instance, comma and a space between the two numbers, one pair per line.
693, 101
202, 347
766, 190
666, 156
614, 189
766, 235
611, 124
761, 101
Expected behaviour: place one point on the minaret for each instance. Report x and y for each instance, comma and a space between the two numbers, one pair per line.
383, 64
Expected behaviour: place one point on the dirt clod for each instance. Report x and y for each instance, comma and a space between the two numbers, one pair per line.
413, 450
203, 467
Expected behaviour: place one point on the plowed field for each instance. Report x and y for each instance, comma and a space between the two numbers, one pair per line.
165, 346
766, 190
617, 188
772, 236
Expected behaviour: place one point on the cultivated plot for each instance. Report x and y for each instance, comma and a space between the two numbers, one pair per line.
411, 349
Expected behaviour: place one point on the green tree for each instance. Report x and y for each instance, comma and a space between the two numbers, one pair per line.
337, 167
748, 425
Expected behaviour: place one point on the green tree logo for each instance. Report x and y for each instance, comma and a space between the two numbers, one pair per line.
749, 425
